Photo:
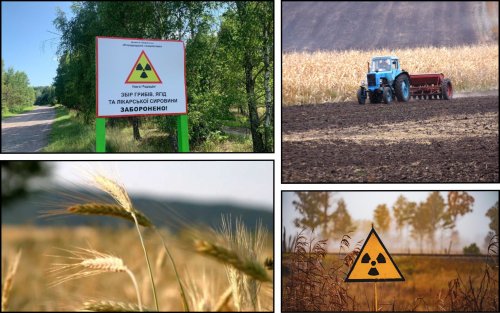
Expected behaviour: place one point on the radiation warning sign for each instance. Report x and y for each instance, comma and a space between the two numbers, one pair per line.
138, 77
143, 72
374, 263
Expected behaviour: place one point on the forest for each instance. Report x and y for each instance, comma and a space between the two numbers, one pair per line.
229, 62
426, 223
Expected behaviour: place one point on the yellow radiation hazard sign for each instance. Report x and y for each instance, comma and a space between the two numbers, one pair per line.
143, 72
374, 263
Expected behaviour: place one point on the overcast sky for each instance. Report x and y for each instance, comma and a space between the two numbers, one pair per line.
472, 227
243, 182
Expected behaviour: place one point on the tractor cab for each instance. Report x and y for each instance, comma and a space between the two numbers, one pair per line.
384, 64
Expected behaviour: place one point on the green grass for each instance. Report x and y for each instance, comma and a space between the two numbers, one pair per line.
17, 112
70, 133
226, 143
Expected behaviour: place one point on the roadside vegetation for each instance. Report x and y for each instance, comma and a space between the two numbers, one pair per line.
17, 95
71, 133
334, 76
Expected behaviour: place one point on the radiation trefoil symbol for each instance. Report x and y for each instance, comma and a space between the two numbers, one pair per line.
143, 72
373, 263
366, 259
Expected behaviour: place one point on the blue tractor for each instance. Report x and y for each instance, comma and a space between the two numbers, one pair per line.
385, 81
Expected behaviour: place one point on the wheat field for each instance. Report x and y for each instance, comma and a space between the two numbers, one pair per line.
205, 278
86, 268
334, 76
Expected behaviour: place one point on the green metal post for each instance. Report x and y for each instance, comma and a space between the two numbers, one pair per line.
182, 133
100, 134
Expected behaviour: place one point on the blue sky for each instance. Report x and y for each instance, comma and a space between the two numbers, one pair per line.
26, 38
472, 227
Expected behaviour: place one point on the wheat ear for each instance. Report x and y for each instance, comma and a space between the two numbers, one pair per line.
221, 254
9, 279
92, 263
119, 193
103, 209
110, 306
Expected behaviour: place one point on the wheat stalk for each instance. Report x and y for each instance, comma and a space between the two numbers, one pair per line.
9, 279
110, 306
119, 193
90, 263
224, 300
221, 254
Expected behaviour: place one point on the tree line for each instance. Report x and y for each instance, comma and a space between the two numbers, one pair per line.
17, 94
229, 59
423, 220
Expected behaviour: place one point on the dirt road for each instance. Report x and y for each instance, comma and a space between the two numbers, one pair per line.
418, 141
324, 25
28, 132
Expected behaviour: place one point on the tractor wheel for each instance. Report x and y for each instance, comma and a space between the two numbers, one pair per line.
387, 95
446, 89
374, 98
402, 86
361, 97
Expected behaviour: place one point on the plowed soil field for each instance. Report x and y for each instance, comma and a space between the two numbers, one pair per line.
419, 141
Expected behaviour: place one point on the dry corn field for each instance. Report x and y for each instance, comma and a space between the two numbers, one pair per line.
322, 77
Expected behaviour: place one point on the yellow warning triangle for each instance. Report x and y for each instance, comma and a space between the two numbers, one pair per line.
374, 263
143, 72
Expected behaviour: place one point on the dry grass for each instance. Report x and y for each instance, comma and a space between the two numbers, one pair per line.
321, 77
314, 281
9, 280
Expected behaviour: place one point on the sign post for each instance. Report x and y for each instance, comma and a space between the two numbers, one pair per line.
374, 264
100, 134
182, 133
140, 77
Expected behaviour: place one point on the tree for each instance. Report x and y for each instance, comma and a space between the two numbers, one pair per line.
313, 206
308, 207
342, 222
16, 176
492, 213
402, 211
252, 17
434, 206
219, 59
16, 91
473, 249
420, 223
459, 204
382, 218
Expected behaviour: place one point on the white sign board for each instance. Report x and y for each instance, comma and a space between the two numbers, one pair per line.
137, 77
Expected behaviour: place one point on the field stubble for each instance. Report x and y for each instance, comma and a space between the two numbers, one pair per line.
335, 76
